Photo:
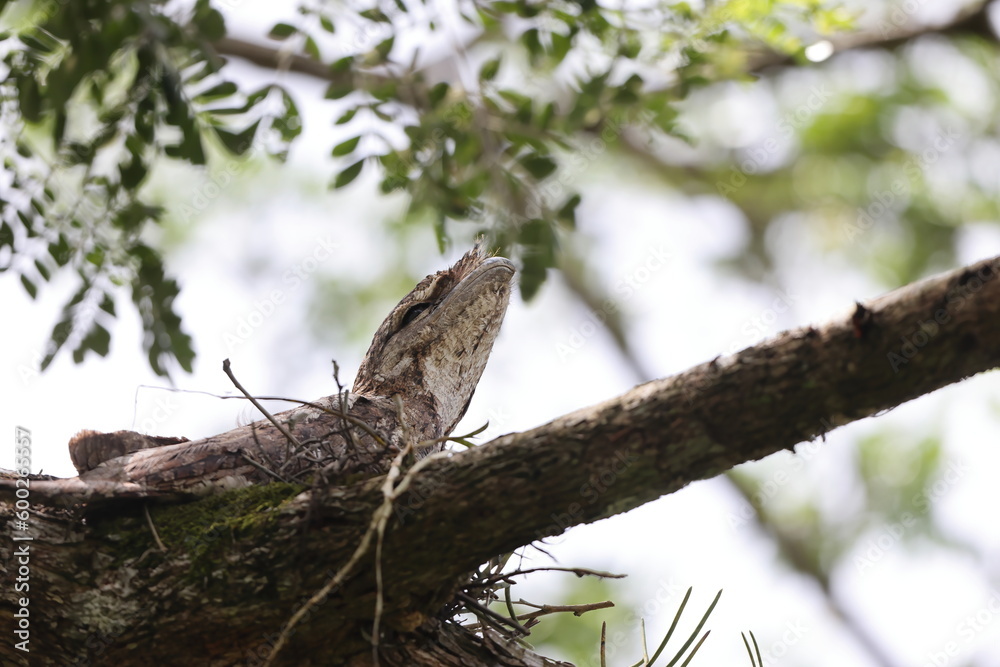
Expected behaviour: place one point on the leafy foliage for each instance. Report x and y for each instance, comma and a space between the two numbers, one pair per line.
97, 93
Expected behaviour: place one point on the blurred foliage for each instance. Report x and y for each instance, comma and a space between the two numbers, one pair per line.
94, 93
97, 93
898, 478
882, 156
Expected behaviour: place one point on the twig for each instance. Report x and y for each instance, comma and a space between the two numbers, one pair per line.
152, 527
604, 636
578, 571
575, 609
284, 431
475, 606
265, 469
387, 493
342, 399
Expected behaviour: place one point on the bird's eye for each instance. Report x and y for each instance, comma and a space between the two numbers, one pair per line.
412, 313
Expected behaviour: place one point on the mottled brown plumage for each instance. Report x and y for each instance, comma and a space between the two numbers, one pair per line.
430, 352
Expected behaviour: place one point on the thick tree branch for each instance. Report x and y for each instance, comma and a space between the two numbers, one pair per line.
268, 57
665, 434
240, 563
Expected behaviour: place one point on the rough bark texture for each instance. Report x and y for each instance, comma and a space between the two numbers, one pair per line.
238, 564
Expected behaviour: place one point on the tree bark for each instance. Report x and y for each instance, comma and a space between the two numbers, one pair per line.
237, 565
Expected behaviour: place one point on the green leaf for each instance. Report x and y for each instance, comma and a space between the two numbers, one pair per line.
189, 149
209, 22
567, 213
630, 46
347, 117
539, 166
97, 339
375, 14
312, 49
60, 333
29, 99
349, 174
346, 147
224, 89
6, 235
490, 68
282, 31
546, 114
43, 270
237, 143
384, 47
327, 24
288, 124
29, 286
438, 93
131, 216
341, 65
532, 276
108, 304
560, 46
339, 89
59, 128
35, 44
132, 173
532, 43
441, 233
385, 91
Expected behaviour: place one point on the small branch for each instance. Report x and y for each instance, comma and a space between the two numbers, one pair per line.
284, 431
264, 469
152, 527
478, 608
277, 59
575, 609
578, 571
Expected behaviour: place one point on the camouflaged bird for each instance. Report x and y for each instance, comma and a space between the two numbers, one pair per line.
429, 352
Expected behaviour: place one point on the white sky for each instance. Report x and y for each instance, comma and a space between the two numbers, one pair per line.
681, 312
